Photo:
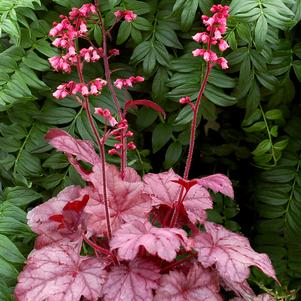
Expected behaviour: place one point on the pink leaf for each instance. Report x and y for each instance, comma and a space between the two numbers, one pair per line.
218, 183
198, 285
134, 282
126, 199
40, 221
164, 191
144, 102
58, 273
64, 142
231, 253
71, 216
162, 241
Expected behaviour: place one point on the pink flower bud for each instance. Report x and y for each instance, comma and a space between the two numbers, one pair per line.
118, 146
223, 63
113, 52
131, 145
113, 152
129, 134
185, 100
98, 111
129, 16
198, 52
223, 45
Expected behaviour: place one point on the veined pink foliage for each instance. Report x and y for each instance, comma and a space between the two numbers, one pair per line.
230, 252
133, 281
127, 202
59, 273
40, 222
198, 285
164, 191
163, 242
62, 141
218, 183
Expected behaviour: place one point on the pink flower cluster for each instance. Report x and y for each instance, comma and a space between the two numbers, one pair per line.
120, 83
216, 26
71, 88
66, 31
128, 15
91, 54
122, 126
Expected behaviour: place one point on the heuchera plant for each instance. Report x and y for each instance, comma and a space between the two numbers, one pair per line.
122, 237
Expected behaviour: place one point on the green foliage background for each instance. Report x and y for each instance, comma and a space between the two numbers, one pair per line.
249, 124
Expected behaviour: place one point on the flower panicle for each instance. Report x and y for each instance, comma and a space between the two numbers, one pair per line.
216, 26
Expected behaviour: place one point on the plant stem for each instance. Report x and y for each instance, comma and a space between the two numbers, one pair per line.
111, 88
96, 247
194, 121
176, 263
101, 149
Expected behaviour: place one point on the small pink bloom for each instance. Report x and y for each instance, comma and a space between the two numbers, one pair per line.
113, 52
131, 145
184, 100
113, 152
93, 89
112, 121
118, 13
118, 146
129, 134
223, 63
83, 27
71, 50
198, 52
223, 45
98, 111
118, 83
129, 16
84, 90
201, 37
76, 88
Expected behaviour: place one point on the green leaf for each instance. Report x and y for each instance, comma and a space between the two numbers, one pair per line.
263, 147
218, 97
149, 62
141, 51
33, 61
281, 145
9, 251
261, 30
45, 48
97, 33
188, 14
173, 154
20, 196
256, 127
123, 32
142, 24
161, 135
56, 115
167, 37
7, 270
297, 69
11, 27
185, 116
273, 114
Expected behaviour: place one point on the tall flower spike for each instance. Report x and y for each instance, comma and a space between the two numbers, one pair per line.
215, 26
